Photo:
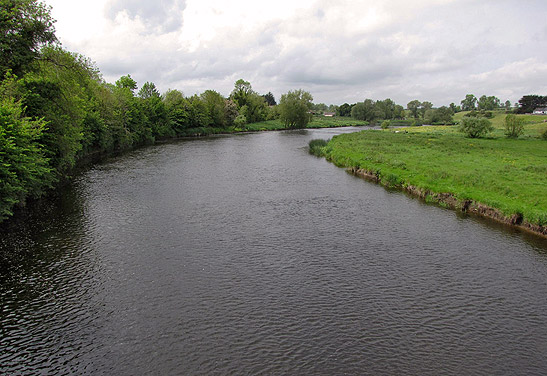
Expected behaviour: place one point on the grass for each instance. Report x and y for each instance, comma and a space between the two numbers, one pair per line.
507, 174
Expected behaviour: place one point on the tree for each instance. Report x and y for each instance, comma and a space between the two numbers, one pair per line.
475, 127
413, 107
25, 26
270, 99
241, 92
126, 82
488, 103
508, 105
148, 90
365, 111
345, 110
424, 106
215, 105
24, 168
528, 103
177, 110
294, 107
469, 103
514, 126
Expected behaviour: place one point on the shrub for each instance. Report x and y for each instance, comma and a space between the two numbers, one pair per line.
514, 126
240, 121
475, 127
385, 124
317, 147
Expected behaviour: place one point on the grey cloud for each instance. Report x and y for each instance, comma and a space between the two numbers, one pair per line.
161, 16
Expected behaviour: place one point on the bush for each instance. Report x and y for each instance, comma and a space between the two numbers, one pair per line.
514, 126
385, 124
240, 121
317, 147
475, 127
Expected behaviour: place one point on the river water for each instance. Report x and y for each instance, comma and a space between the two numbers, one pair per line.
245, 255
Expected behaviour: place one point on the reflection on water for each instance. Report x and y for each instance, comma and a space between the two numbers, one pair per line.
245, 255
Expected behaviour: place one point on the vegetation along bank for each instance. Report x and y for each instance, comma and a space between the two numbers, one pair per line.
496, 176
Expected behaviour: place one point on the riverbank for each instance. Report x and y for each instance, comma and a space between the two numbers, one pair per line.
499, 178
275, 125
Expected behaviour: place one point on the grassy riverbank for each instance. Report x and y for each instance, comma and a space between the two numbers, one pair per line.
506, 174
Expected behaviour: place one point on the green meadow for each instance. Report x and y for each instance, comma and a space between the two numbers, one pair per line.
507, 174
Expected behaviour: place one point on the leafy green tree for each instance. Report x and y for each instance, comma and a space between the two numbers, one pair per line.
25, 26
424, 106
148, 90
365, 111
294, 107
126, 82
62, 89
488, 103
177, 110
242, 91
514, 126
413, 107
475, 127
215, 105
344, 110
24, 168
469, 103
507, 104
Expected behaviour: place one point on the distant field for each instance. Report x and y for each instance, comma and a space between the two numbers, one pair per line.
507, 174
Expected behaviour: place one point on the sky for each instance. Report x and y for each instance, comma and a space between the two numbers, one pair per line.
340, 51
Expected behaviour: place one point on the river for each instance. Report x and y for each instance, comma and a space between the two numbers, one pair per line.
245, 255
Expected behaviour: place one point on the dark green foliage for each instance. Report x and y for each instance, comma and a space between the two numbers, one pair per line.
270, 99
24, 169
528, 103
345, 110
316, 147
25, 26
475, 127
514, 126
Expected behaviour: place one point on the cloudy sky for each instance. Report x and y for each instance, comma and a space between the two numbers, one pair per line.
340, 51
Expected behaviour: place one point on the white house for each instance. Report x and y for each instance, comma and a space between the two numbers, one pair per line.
540, 111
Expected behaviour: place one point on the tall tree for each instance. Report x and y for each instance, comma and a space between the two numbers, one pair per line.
469, 103
25, 26
294, 108
413, 107
270, 99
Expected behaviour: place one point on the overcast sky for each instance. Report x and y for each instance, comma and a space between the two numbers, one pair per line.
340, 51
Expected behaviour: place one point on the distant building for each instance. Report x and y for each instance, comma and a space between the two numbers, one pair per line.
540, 111
329, 114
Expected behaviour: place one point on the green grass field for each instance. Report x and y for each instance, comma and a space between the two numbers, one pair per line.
507, 174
